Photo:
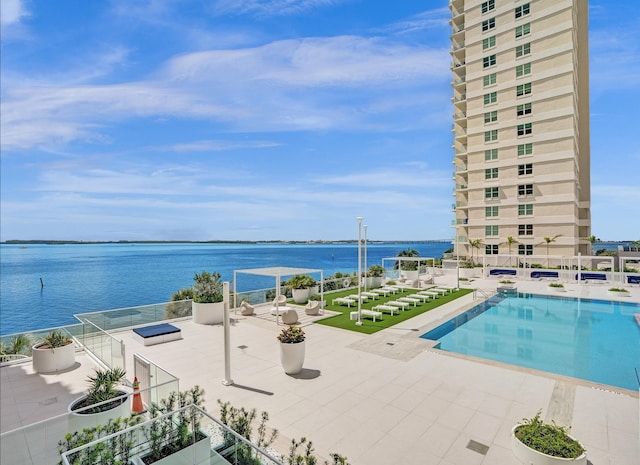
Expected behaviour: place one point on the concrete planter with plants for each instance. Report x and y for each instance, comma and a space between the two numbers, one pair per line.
56, 352
301, 287
84, 413
556, 287
618, 292
292, 349
208, 301
537, 443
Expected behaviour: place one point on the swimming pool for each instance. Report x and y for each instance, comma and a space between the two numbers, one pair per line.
595, 340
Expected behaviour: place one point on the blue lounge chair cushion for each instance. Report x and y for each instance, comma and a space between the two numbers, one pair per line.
156, 330
633, 279
544, 274
592, 276
498, 272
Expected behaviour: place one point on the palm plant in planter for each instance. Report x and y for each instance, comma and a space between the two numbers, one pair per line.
375, 273
292, 349
103, 387
208, 305
300, 285
54, 353
536, 442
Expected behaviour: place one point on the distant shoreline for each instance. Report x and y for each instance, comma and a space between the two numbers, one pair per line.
308, 242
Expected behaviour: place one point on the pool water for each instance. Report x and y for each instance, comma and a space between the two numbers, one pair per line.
594, 340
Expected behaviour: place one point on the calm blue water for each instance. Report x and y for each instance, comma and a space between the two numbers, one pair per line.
82, 278
595, 340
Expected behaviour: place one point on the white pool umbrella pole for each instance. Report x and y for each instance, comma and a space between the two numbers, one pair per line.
365, 256
227, 381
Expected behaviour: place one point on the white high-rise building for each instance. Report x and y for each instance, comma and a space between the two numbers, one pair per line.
521, 127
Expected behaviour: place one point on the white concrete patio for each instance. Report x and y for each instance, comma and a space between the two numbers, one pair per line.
379, 399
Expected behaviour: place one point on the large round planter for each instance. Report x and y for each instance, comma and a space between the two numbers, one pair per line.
618, 293
374, 281
300, 296
52, 360
207, 314
531, 456
78, 421
556, 289
292, 357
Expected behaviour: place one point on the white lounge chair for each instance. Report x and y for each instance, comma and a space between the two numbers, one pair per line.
280, 301
246, 308
289, 317
312, 308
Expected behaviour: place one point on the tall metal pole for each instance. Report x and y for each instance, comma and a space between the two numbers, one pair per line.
359, 322
457, 258
365, 257
227, 381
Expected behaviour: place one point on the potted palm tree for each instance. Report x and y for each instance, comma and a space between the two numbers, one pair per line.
375, 276
300, 285
292, 349
55, 352
208, 300
103, 389
538, 443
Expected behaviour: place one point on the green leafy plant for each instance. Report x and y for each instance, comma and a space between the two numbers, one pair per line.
54, 340
207, 288
376, 271
549, 439
301, 281
506, 281
556, 285
291, 335
102, 387
617, 289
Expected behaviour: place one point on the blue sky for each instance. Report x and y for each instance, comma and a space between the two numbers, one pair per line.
263, 119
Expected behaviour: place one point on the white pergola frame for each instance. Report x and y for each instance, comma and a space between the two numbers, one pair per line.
277, 272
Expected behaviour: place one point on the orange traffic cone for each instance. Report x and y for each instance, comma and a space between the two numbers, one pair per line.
137, 406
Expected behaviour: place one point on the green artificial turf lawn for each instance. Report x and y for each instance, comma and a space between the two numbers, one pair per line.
368, 325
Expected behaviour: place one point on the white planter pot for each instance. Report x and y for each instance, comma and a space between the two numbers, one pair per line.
374, 282
300, 296
79, 421
198, 454
618, 294
292, 357
315, 290
532, 457
207, 314
556, 289
52, 360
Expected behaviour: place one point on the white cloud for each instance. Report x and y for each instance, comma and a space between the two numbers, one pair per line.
271, 7
12, 11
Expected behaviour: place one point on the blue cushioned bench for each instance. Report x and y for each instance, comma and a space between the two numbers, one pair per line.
631, 279
157, 334
544, 274
592, 276
500, 272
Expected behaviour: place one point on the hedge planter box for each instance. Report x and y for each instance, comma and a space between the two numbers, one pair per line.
207, 314
292, 357
198, 453
52, 360
618, 293
531, 456
556, 289
79, 421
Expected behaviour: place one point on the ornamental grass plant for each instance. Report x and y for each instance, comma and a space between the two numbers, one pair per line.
549, 439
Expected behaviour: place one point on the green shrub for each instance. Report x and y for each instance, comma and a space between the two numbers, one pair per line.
547, 438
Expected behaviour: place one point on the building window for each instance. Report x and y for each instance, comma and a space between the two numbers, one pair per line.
491, 192
488, 42
522, 50
489, 61
491, 249
491, 173
524, 129
491, 230
525, 209
524, 109
489, 80
491, 212
523, 89
490, 117
525, 249
490, 98
525, 170
525, 149
525, 190
523, 70
525, 230
522, 10
488, 6
490, 154
523, 30
491, 136
488, 24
